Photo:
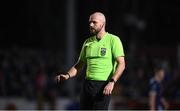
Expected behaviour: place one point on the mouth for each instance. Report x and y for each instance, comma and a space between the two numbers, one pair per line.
92, 29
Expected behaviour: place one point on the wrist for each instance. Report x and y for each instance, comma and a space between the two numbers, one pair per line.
68, 75
112, 80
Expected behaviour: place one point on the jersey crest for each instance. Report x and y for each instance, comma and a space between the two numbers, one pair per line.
103, 51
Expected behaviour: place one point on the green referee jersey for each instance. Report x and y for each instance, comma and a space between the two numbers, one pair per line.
100, 56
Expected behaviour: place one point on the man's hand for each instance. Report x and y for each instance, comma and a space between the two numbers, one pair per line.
62, 77
108, 88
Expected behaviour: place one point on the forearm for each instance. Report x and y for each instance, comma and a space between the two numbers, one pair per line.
152, 100
72, 71
75, 69
152, 106
119, 70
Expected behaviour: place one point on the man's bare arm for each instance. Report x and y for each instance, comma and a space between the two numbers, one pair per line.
75, 69
120, 68
71, 72
152, 100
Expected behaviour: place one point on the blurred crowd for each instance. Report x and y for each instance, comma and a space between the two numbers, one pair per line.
141, 68
137, 77
29, 73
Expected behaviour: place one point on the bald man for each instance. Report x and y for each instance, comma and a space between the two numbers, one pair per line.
103, 55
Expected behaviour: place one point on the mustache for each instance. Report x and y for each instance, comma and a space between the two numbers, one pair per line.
92, 28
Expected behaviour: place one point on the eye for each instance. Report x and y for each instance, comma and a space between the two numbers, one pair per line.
94, 22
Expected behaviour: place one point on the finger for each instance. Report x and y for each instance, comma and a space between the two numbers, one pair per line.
64, 77
58, 78
105, 92
108, 92
61, 77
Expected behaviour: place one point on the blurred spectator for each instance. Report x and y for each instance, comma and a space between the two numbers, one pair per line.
156, 99
40, 86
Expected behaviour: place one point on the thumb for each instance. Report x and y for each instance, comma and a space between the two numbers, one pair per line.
63, 77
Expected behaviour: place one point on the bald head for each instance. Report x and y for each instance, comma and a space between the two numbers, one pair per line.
98, 16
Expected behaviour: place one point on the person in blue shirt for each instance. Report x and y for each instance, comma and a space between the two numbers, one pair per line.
156, 100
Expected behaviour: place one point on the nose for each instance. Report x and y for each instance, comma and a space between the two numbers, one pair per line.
91, 24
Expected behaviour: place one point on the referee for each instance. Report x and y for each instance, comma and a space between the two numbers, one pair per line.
103, 54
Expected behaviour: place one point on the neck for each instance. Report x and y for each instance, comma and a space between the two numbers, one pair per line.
100, 34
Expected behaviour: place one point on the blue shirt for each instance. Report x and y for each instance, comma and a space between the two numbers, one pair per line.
156, 87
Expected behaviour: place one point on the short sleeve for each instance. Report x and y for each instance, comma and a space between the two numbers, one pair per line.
117, 47
82, 55
153, 86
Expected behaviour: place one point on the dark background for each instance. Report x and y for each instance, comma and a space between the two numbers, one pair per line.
42, 23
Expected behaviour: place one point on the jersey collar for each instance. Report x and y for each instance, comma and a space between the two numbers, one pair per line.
101, 38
